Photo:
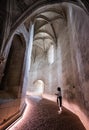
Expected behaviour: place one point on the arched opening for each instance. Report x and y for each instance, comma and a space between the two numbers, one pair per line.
12, 79
38, 88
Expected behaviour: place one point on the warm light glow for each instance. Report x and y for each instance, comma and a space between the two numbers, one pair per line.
20, 121
77, 110
38, 89
35, 95
50, 97
39, 86
71, 107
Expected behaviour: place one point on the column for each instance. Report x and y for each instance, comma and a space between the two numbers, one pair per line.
29, 52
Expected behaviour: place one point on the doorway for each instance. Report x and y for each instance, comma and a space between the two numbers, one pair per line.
12, 79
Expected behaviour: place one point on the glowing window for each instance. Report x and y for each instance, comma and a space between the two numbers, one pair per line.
51, 54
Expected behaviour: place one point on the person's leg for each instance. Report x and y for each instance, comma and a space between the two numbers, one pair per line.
60, 103
57, 100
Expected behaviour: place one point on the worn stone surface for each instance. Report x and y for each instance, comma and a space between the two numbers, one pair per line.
43, 115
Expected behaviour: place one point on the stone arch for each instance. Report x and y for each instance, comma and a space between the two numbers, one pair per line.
14, 69
39, 87
42, 4
37, 13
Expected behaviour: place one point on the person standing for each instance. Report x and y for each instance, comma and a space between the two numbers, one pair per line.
59, 99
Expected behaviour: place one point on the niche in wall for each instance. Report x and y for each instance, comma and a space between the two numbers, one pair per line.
12, 79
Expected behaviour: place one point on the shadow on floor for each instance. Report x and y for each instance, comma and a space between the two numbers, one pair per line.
43, 115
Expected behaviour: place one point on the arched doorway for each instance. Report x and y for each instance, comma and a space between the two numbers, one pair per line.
12, 79
39, 87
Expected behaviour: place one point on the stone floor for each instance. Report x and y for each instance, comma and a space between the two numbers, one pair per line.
42, 114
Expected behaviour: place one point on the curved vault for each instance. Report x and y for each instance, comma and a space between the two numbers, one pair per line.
45, 35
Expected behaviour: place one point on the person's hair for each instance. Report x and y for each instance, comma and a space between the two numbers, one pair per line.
59, 89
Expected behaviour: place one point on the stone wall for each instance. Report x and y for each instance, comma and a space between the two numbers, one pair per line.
70, 68
12, 93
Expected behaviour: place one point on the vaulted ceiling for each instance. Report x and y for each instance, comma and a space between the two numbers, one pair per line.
48, 24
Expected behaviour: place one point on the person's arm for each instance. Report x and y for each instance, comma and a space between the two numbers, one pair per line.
56, 93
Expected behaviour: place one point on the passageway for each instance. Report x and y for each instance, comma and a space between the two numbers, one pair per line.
42, 114
44, 45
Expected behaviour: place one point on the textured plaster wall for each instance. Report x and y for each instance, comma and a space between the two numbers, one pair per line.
71, 67
79, 39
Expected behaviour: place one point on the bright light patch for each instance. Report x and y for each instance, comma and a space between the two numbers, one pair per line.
51, 54
38, 89
78, 111
39, 86
20, 120
49, 97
